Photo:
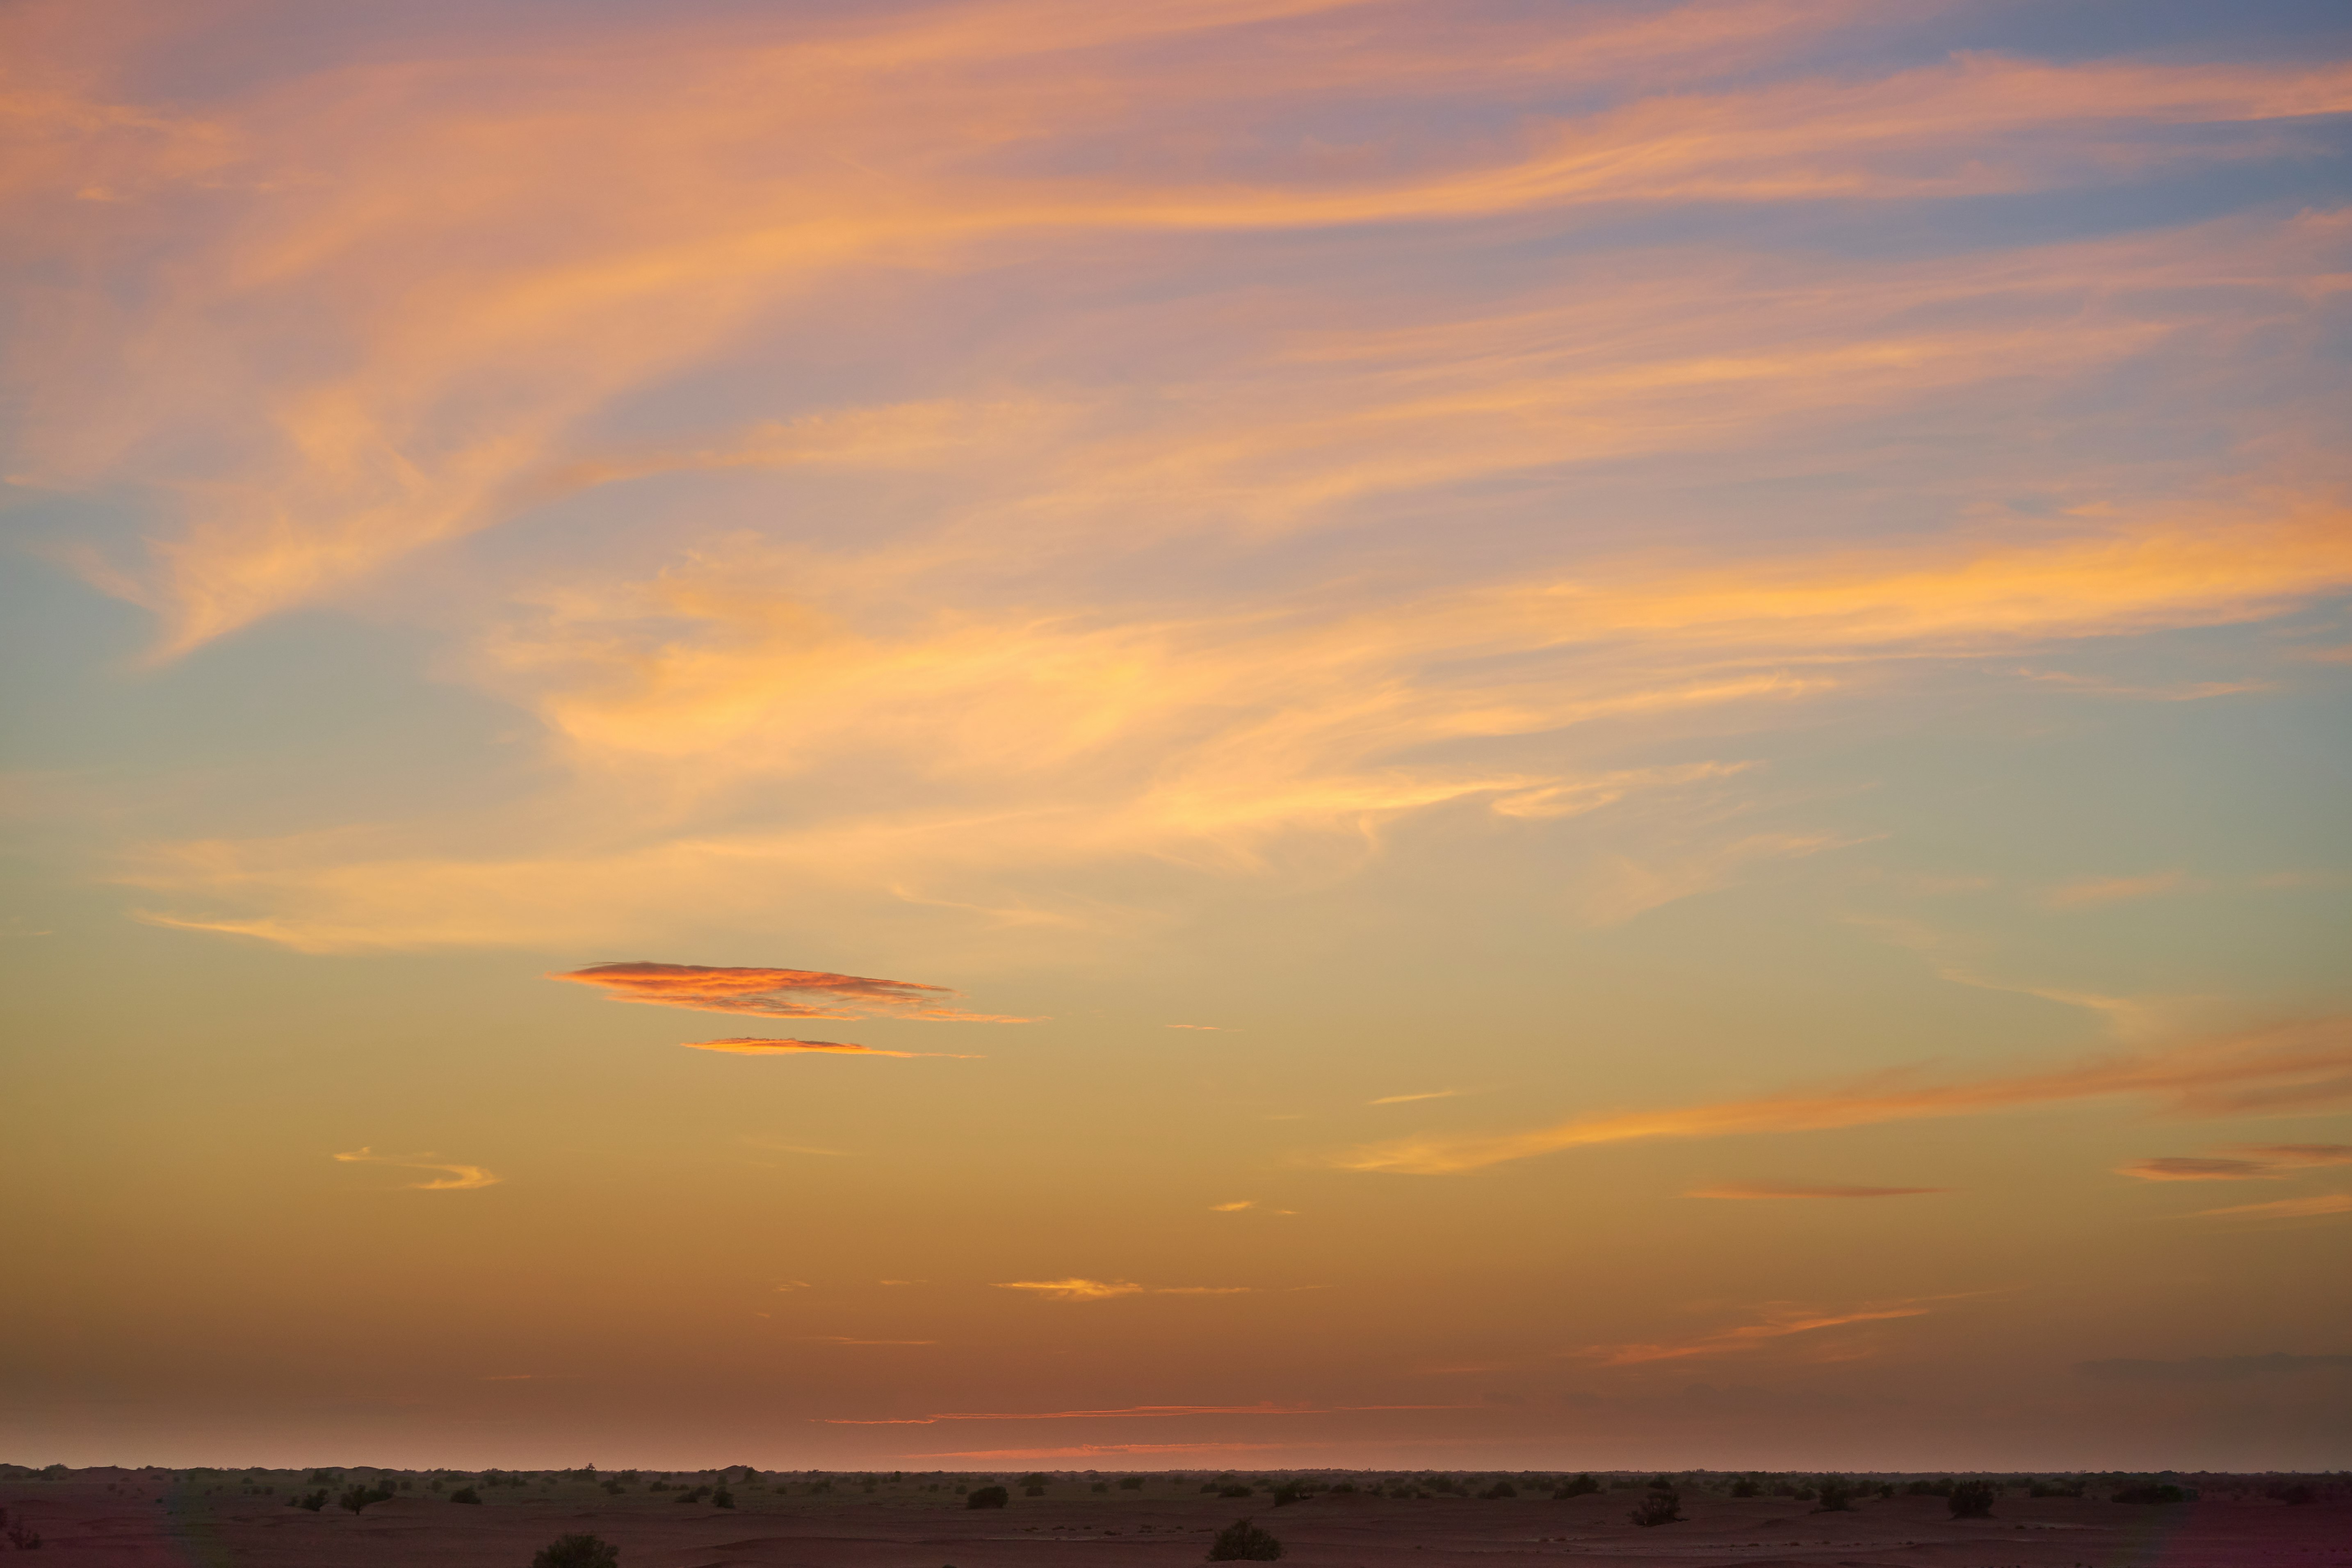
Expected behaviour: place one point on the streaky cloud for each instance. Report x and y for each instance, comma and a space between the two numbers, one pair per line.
772, 992
1798, 1190
758, 1046
452, 1178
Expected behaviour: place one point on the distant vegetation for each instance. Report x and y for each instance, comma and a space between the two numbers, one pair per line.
987, 1497
2130, 1494
1971, 1499
359, 1495
1836, 1496
466, 1494
1662, 1506
1580, 1486
577, 1551
1244, 1541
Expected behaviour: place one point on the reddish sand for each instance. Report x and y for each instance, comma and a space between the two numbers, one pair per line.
149, 1524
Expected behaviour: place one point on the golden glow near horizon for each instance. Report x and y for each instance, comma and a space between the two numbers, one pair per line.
1557, 734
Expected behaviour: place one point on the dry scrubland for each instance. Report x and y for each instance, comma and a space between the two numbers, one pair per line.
130, 1519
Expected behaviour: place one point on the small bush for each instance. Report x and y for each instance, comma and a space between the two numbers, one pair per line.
987, 1497
314, 1502
1100, 1487
577, 1551
1289, 1492
466, 1494
1244, 1541
1972, 1499
1499, 1489
2133, 1494
1036, 1480
1033, 1491
1836, 1497
1130, 1483
1580, 1486
1929, 1489
1239, 1489
1661, 1507
2295, 1495
1744, 1488
722, 1497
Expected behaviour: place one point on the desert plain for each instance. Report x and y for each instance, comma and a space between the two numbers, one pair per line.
110, 1518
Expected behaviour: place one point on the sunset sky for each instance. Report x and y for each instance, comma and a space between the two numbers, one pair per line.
982, 733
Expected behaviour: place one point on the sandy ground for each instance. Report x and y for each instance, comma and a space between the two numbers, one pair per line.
150, 1525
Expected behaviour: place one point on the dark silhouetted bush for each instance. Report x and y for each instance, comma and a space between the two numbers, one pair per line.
1238, 1489
356, 1498
24, 1540
1744, 1488
1836, 1497
1581, 1485
577, 1551
314, 1502
722, 1497
2133, 1494
987, 1497
1244, 1541
1289, 1492
1661, 1507
1499, 1489
466, 1494
1033, 1491
1036, 1480
1130, 1483
1100, 1487
1929, 1489
2295, 1495
1972, 1499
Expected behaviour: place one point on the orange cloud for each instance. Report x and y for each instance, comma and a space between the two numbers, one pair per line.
2182, 1169
773, 993
2285, 1208
1779, 1324
2092, 890
452, 1178
1102, 1290
752, 1045
847, 1340
2301, 1067
1793, 1190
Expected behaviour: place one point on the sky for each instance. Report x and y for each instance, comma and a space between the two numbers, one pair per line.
1240, 733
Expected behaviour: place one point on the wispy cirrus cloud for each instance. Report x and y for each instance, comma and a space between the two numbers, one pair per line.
2091, 891
1409, 1099
758, 1046
1778, 1323
774, 993
2282, 1208
1127, 1413
2243, 1163
2294, 1068
1800, 1189
452, 1178
1079, 1290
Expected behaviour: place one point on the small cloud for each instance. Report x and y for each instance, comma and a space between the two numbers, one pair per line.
1213, 1029
773, 993
789, 1286
847, 1340
1778, 1323
2182, 1169
2285, 1208
1234, 1208
2209, 1369
2085, 892
1204, 1289
755, 1045
2291, 1156
1793, 1190
452, 1178
902, 1281
1409, 1099
1075, 1289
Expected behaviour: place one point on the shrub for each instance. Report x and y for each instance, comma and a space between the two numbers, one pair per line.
1033, 1491
722, 1497
1929, 1489
1100, 1487
1836, 1496
1744, 1488
577, 1551
987, 1497
1500, 1489
2294, 1496
1036, 1480
1239, 1489
466, 1494
1130, 1483
1580, 1486
356, 1498
2054, 1489
2129, 1494
314, 1502
1661, 1507
1972, 1499
24, 1540
1244, 1541
1288, 1492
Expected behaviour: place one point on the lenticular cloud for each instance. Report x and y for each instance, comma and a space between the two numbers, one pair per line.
774, 992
